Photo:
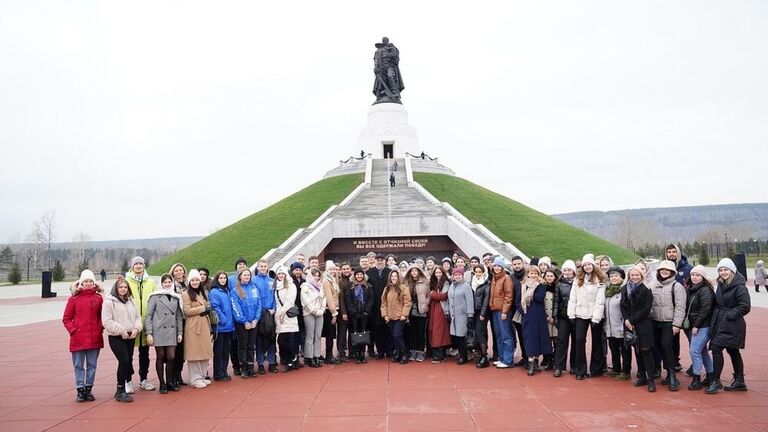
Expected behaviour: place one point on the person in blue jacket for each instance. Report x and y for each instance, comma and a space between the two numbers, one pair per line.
240, 263
221, 304
266, 343
246, 308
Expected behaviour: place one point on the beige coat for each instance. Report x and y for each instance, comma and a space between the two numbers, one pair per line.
396, 306
587, 301
331, 291
549, 308
118, 317
198, 344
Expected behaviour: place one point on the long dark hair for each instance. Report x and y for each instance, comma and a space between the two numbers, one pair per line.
215, 281
396, 285
436, 284
193, 292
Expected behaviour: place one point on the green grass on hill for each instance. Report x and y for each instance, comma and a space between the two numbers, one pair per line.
253, 236
533, 232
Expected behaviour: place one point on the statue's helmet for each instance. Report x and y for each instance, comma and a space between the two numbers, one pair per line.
385, 40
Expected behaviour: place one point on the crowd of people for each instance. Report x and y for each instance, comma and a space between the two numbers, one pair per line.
482, 309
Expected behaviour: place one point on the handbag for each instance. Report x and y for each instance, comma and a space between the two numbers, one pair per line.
360, 338
214, 317
292, 311
630, 338
266, 324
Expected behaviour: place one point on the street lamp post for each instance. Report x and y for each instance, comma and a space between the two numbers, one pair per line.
29, 258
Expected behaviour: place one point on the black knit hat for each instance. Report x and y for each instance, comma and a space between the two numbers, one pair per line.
240, 260
358, 270
619, 270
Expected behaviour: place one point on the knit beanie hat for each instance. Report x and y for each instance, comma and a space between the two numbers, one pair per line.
135, 260
588, 259
499, 261
700, 270
458, 270
329, 265
569, 264
727, 263
193, 274
86, 275
297, 265
359, 270
545, 260
240, 260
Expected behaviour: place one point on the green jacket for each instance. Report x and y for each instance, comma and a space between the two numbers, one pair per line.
141, 289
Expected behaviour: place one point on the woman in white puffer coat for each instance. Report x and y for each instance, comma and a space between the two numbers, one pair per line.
586, 308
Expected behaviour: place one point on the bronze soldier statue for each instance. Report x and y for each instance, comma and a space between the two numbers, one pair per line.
389, 82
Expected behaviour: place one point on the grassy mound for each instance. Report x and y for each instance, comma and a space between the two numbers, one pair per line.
531, 231
253, 236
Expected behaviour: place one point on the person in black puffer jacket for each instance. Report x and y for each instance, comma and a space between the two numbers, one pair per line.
701, 300
560, 318
729, 330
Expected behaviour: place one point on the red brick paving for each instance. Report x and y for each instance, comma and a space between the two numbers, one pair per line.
36, 394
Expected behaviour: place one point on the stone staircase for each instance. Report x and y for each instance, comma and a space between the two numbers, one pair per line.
378, 203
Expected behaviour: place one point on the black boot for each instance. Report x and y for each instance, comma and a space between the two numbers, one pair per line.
482, 362
462, 357
651, 386
89, 393
696, 384
674, 383
738, 384
80, 395
318, 362
714, 386
395, 357
531, 368
122, 396
707, 379
689, 371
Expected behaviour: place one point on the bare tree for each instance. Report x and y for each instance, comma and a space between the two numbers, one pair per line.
81, 240
44, 233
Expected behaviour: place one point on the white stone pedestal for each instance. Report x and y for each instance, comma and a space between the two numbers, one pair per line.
388, 130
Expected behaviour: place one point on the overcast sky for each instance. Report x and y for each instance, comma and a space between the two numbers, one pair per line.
157, 119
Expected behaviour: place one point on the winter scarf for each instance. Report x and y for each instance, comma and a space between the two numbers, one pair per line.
612, 290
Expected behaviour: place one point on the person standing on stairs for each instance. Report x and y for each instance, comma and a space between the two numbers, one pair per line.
392, 179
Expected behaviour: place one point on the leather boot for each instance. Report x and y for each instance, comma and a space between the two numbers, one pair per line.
674, 383
714, 386
122, 396
696, 384
707, 379
652, 386
88, 391
395, 356
531, 368
80, 395
738, 384
482, 362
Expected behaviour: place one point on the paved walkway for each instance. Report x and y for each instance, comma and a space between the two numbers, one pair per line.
36, 393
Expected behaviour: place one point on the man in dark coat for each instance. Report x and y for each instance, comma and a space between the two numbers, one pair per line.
518, 274
378, 277
297, 274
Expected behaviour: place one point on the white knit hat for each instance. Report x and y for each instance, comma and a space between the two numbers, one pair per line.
727, 263
588, 259
193, 274
569, 264
329, 265
545, 260
700, 270
86, 275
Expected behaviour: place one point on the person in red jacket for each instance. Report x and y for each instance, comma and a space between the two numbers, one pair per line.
82, 319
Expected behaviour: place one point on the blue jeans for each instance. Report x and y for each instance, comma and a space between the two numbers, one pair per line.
86, 358
699, 353
505, 337
266, 344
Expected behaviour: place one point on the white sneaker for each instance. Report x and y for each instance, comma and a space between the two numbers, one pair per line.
146, 385
128, 387
207, 382
199, 384
501, 365
496, 362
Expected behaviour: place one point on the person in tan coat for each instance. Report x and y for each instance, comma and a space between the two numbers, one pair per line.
500, 304
198, 345
331, 315
395, 307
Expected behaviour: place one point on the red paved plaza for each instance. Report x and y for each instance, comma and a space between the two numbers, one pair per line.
36, 393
